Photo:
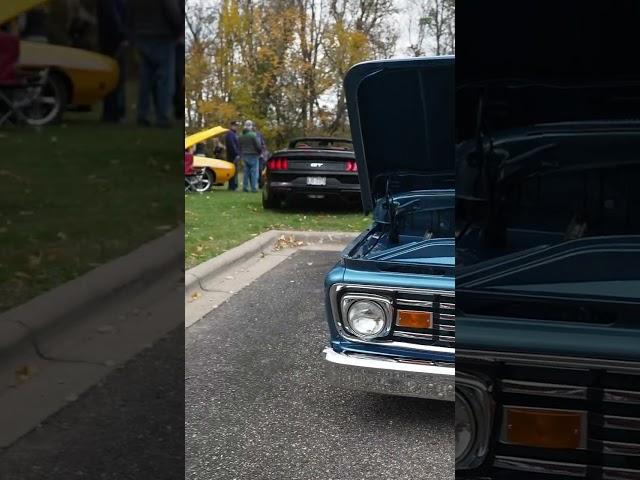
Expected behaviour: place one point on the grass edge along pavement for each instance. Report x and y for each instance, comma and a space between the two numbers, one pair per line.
221, 219
71, 200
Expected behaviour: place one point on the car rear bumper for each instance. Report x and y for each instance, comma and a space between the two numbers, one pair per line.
297, 188
373, 373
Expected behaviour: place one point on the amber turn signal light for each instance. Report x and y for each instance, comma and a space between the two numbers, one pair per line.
543, 428
414, 319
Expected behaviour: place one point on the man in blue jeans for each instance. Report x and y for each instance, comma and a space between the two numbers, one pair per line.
157, 25
251, 149
113, 39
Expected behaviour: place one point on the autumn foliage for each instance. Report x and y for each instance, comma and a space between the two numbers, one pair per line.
280, 63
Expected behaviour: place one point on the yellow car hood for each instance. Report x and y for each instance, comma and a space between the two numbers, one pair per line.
191, 140
10, 10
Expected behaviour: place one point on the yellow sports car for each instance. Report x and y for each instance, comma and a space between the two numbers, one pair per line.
76, 78
217, 171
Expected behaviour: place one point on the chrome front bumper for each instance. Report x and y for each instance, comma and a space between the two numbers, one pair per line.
378, 374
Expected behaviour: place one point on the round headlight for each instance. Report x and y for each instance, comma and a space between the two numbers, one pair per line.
366, 318
465, 427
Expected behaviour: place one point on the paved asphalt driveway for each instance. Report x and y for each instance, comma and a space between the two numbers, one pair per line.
258, 406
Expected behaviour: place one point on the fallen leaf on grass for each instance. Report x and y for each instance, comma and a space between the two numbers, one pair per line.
25, 372
7, 173
34, 260
287, 242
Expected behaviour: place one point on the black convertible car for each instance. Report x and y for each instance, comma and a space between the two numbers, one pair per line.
312, 167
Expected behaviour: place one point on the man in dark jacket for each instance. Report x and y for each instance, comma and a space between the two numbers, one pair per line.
251, 150
157, 25
233, 152
113, 38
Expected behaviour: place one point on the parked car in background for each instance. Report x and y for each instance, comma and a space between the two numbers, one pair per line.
390, 301
215, 171
312, 167
76, 79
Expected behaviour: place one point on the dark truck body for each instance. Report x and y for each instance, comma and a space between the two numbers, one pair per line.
312, 167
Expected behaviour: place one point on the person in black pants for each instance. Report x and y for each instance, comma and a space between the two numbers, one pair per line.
233, 152
113, 38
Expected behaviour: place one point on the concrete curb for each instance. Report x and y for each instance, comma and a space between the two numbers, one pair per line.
55, 307
264, 242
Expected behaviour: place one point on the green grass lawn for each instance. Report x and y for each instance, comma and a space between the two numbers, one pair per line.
221, 219
80, 194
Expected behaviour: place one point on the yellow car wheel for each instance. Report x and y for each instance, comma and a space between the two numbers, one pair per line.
208, 180
49, 105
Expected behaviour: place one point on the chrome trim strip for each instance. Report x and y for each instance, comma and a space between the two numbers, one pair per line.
540, 466
621, 423
374, 288
364, 289
549, 360
375, 373
611, 473
557, 468
447, 328
582, 445
544, 389
419, 336
416, 303
447, 306
621, 396
447, 316
621, 448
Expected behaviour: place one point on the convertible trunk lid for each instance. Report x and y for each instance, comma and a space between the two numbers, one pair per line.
198, 137
10, 10
401, 116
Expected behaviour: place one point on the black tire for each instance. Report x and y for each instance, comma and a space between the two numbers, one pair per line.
269, 202
51, 104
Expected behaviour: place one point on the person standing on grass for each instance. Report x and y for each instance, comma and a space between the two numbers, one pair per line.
251, 150
157, 26
113, 38
264, 154
232, 146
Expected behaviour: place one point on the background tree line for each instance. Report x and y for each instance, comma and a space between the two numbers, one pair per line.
281, 63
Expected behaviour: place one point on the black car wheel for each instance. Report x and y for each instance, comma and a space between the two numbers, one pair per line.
269, 202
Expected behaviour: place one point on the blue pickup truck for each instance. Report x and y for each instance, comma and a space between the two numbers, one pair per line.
390, 301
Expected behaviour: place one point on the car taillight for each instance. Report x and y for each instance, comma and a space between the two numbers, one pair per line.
351, 166
278, 164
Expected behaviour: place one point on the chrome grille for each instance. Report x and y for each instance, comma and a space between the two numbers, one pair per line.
442, 308
609, 398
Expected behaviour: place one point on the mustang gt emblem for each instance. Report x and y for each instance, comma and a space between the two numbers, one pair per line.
317, 164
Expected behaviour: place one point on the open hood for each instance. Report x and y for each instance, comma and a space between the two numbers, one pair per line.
546, 62
10, 10
191, 140
401, 116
